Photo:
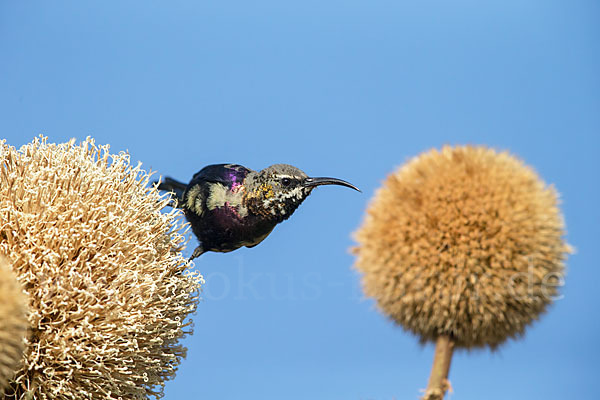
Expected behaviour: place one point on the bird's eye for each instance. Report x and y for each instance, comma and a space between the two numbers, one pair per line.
286, 181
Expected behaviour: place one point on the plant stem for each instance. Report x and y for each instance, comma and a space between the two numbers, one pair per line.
438, 380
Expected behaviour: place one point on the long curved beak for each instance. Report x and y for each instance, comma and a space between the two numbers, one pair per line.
312, 182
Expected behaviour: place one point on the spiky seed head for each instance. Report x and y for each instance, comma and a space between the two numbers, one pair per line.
465, 242
13, 323
108, 287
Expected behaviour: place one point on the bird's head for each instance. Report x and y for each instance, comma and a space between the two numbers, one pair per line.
276, 191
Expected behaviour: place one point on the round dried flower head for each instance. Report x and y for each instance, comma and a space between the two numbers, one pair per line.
13, 323
109, 291
464, 242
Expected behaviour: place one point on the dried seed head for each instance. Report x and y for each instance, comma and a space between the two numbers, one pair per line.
13, 323
464, 242
109, 291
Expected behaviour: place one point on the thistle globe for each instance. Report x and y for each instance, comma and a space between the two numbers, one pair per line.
109, 291
13, 323
464, 242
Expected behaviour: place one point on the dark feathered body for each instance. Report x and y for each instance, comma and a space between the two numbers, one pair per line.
230, 206
214, 206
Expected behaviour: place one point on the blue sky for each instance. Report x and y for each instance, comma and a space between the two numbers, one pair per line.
350, 89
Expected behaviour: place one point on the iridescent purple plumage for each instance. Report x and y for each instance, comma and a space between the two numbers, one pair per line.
230, 206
